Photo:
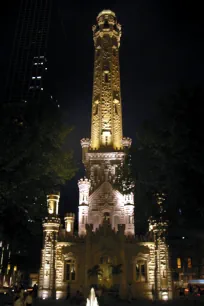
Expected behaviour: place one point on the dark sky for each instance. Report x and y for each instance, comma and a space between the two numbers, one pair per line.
161, 48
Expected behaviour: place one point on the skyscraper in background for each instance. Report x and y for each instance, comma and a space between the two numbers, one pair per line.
26, 81
27, 69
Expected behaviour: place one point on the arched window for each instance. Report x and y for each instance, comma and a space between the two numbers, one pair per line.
141, 271
70, 270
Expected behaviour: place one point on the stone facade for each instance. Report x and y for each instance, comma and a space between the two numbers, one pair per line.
106, 236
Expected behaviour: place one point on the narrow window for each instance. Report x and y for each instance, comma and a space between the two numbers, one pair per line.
96, 110
140, 271
179, 263
143, 273
70, 273
137, 270
106, 77
189, 262
106, 140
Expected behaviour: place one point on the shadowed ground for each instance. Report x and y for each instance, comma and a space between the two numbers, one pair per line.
5, 300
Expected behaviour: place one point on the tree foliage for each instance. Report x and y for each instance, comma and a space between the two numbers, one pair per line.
94, 271
124, 181
170, 154
33, 163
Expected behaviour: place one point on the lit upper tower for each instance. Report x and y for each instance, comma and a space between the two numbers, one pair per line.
106, 125
106, 151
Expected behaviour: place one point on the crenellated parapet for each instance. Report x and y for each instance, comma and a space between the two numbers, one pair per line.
85, 142
107, 23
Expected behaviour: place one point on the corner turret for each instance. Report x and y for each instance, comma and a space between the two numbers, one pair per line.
51, 226
84, 187
85, 144
69, 223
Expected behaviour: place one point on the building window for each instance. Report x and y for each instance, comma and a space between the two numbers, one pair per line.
106, 77
106, 140
179, 263
96, 110
70, 270
189, 262
140, 271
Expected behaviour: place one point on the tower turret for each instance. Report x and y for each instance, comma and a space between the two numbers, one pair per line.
51, 226
85, 144
53, 204
159, 225
84, 187
69, 223
129, 214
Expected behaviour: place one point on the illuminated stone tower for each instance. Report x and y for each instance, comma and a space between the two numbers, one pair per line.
106, 125
107, 148
51, 226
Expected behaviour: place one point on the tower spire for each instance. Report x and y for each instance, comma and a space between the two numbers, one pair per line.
106, 124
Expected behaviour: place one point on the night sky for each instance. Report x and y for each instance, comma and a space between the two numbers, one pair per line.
160, 50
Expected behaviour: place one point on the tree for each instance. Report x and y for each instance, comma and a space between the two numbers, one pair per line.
33, 163
124, 181
170, 154
94, 272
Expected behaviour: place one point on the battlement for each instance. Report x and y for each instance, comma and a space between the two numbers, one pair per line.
126, 142
106, 12
85, 143
84, 183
